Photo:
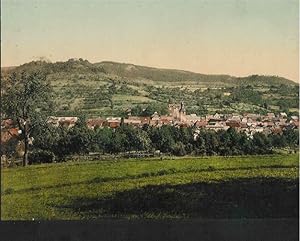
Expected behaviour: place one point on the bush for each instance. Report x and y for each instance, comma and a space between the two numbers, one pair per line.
9, 148
178, 149
41, 156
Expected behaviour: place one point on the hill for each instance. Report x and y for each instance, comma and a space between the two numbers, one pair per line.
173, 75
109, 88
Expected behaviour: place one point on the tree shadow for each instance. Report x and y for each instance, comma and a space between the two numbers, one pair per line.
240, 198
157, 173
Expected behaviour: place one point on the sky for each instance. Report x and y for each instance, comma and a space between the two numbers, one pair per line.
235, 37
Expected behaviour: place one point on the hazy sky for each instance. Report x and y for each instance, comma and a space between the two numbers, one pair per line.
235, 37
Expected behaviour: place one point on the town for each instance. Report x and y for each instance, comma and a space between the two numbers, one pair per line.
249, 123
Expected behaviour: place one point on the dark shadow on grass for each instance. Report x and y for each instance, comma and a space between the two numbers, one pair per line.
157, 173
241, 198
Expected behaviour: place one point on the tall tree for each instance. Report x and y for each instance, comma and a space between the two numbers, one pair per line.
27, 101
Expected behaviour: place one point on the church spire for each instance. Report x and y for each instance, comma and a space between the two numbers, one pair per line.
182, 108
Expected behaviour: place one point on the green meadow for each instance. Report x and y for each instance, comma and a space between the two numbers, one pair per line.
188, 187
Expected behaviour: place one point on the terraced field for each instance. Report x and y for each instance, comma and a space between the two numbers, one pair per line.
109, 89
204, 187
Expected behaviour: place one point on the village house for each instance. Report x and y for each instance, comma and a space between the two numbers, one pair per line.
214, 121
112, 122
9, 130
155, 119
245, 120
95, 123
252, 130
234, 123
218, 126
9, 133
270, 116
7, 123
166, 120
202, 123
67, 122
295, 124
145, 120
11, 143
277, 130
282, 115
236, 117
133, 120
192, 119
294, 118
252, 116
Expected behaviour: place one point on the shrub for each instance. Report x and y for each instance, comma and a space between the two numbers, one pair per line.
9, 148
41, 156
178, 149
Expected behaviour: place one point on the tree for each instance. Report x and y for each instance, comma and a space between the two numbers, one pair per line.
162, 138
140, 140
261, 144
292, 137
103, 139
137, 110
27, 100
80, 137
211, 141
178, 149
160, 108
200, 145
111, 91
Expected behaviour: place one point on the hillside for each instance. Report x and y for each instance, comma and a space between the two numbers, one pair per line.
109, 88
173, 75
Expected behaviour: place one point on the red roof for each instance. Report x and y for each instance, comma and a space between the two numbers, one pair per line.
166, 119
6, 135
112, 123
145, 120
244, 125
296, 124
234, 124
7, 123
201, 123
277, 130
94, 122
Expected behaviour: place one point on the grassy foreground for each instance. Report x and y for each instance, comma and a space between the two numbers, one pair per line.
211, 187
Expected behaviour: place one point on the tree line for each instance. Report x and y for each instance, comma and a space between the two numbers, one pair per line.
60, 142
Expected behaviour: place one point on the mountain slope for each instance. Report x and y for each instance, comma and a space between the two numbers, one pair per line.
171, 75
109, 88
131, 71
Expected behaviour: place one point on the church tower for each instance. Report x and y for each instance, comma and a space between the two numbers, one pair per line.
182, 112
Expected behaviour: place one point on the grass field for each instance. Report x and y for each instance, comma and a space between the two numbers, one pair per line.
207, 187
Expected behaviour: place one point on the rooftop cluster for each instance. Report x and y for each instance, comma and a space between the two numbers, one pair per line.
248, 122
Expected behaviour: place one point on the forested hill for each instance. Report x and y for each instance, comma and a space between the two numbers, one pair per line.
131, 71
173, 75
109, 88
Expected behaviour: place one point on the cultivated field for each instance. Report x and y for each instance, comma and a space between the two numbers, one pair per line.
109, 89
207, 187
